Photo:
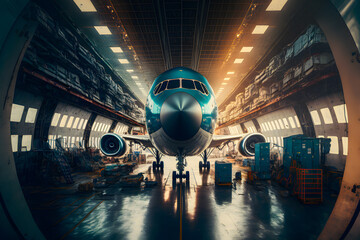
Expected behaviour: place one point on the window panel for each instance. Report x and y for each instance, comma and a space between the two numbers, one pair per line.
26, 143
341, 113
334, 149
345, 145
173, 84
84, 125
69, 124
315, 117
76, 121
286, 124
277, 124
292, 123
63, 120
325, 112
31, 115
281, 124
297, 121
14, 142
55, 119
188, 84
16, 112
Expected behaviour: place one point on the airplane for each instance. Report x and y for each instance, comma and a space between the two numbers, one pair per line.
180, 115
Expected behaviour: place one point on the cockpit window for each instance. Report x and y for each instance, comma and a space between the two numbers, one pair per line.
205, 89
157, 88
189, 84
198, 87
163, 86
181, 83
173, 84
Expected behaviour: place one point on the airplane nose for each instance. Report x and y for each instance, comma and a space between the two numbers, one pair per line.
181, 116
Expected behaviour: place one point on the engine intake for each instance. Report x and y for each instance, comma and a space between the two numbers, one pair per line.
246, 146
113, 145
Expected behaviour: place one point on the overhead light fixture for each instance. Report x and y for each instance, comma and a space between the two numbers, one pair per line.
85, 5
221, 88
102, 30
260, 29
116, 49
276, 5
226, 79
134, 77
230, 73
238, 60
246, 49
123, 61
224, 83
130, 70
139, 84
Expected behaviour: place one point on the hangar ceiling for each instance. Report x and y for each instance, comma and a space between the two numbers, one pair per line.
207, 36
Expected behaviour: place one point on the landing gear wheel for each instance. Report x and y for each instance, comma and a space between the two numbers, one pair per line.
174, 178
208, 166
187, 177
200, 165
154, 166
161, 165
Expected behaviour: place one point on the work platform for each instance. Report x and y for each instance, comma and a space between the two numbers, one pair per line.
197, 211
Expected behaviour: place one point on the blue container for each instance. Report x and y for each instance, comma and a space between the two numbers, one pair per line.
223, 173
306, 151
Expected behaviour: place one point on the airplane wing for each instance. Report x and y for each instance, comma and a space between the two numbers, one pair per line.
218, 140
141, 139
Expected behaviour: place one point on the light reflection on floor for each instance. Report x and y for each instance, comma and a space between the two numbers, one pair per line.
208, 212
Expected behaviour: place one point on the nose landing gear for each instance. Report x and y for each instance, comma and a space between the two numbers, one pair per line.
206, 163
180, 167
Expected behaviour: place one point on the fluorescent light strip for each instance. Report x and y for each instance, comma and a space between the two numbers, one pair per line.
134, 77
238, 60
85, 5
224, 83
226, 79
276, 5
139, 84
130, 70
230, 73
102, 30
246, 49
116, 49
260, 29
123, 61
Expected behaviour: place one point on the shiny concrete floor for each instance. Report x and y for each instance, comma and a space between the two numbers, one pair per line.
197, 211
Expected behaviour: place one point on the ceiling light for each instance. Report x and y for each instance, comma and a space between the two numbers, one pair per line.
85, 5
226, 79
276, 5
246, 49
230, 72
224, 83
134, 77
123, 61
102, 30
238, 60
139, 84
221, 88
116, 49
260, 29
130, 70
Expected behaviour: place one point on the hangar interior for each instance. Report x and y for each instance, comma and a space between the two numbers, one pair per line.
74, 70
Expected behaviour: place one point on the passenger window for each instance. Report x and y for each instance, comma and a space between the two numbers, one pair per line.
205, 89
189, 84
163, 86
173, 84
199, 87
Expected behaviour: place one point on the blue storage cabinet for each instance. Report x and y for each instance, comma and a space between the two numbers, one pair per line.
262, 161
306, 151
223, 173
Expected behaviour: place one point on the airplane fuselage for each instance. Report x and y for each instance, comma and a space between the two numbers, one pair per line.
181, 112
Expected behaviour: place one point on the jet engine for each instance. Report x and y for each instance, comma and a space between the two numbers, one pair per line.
113, 145
246, 145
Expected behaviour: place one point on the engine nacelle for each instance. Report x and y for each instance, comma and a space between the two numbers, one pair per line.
113, 145
246, 145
